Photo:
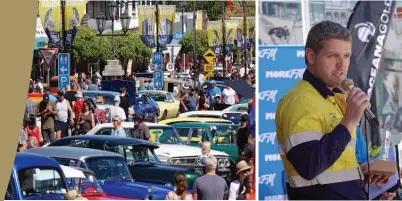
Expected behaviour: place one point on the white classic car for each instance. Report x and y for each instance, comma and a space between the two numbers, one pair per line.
228, 115
171, 149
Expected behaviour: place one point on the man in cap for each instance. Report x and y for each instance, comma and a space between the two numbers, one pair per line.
116, 110
213, 91
47, 111
141, 130
79, 104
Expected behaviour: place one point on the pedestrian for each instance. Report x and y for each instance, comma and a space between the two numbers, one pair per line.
30, 108
229, 96
117, 129
78, 104
62, 122
316, 123
242, 134
39, 85
237, 189
125, 103
47, 112
141, 130
86, 119
33, 132
22, 143
213, 91
189, 102
51, 97
205, 151
180, 192
202, 101
116, 110
210, 186
92, 86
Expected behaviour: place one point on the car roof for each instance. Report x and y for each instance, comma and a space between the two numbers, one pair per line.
194, 119
76, 153
112, 93
109, 141
154, 91
209, 113
26, 160
129, 125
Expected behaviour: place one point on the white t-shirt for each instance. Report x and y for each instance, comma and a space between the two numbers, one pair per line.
117, 111
39, 86
229, 96
233, 189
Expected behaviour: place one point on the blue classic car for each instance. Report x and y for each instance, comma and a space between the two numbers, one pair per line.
142, 103
144, 168
110, 169
36, 177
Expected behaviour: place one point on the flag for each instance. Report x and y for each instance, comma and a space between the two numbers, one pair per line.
369, 25
230, 5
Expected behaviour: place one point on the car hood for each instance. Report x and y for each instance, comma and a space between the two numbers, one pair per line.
134, 189
179, 150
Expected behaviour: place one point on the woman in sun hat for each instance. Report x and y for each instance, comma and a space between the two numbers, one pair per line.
242, 169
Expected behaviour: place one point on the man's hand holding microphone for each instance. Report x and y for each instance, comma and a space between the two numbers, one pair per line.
356, 103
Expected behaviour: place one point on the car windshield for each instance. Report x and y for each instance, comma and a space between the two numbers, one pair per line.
139, 154
88, 185
106, 100
34, 181
233, 117
223, 134
165, 135
107, 168
157, 96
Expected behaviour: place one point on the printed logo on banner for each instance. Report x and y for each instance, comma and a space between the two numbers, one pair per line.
269, 116
269, 95
276, 197
268, 137
267, 179
269, 53
291, 74
365, 31
283, 67
272, 157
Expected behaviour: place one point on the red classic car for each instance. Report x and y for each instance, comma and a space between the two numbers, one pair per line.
85, 182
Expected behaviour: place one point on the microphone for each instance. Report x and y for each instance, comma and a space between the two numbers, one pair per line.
348, 85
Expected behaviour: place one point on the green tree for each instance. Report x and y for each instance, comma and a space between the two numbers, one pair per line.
201, 43
131, 47
212, 8
87, 46
238, 11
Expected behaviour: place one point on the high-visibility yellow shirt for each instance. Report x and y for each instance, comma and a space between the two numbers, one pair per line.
315, 148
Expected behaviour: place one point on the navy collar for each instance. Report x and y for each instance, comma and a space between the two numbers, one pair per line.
319, 85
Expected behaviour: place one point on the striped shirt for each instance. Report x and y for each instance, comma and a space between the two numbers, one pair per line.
30, 108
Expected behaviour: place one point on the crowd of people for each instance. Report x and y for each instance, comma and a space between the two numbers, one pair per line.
55, 117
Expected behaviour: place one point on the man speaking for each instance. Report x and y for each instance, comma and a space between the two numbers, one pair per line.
316, 122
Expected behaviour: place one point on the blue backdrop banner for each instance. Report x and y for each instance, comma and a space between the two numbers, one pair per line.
279, 69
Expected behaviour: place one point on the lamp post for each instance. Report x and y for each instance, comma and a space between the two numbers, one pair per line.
182, 4
124, 19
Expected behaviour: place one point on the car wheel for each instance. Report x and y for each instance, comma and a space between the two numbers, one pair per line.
164, 115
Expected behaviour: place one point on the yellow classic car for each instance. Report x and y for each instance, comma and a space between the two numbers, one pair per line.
187, 121
168, 106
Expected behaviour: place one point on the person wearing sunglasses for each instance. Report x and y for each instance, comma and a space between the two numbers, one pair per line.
117, 129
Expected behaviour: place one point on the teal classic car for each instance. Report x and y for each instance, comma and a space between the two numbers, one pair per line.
221, 135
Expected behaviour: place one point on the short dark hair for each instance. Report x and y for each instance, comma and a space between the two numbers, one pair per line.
323, 31
123, 89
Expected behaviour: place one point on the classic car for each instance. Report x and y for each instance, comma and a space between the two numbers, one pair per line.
54, 87
142, 103
36, 177
231, 116
145, 168
168, 106
194, 119
172, 149
220, 134
110, 168
241, 107
86, 184
103, 99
